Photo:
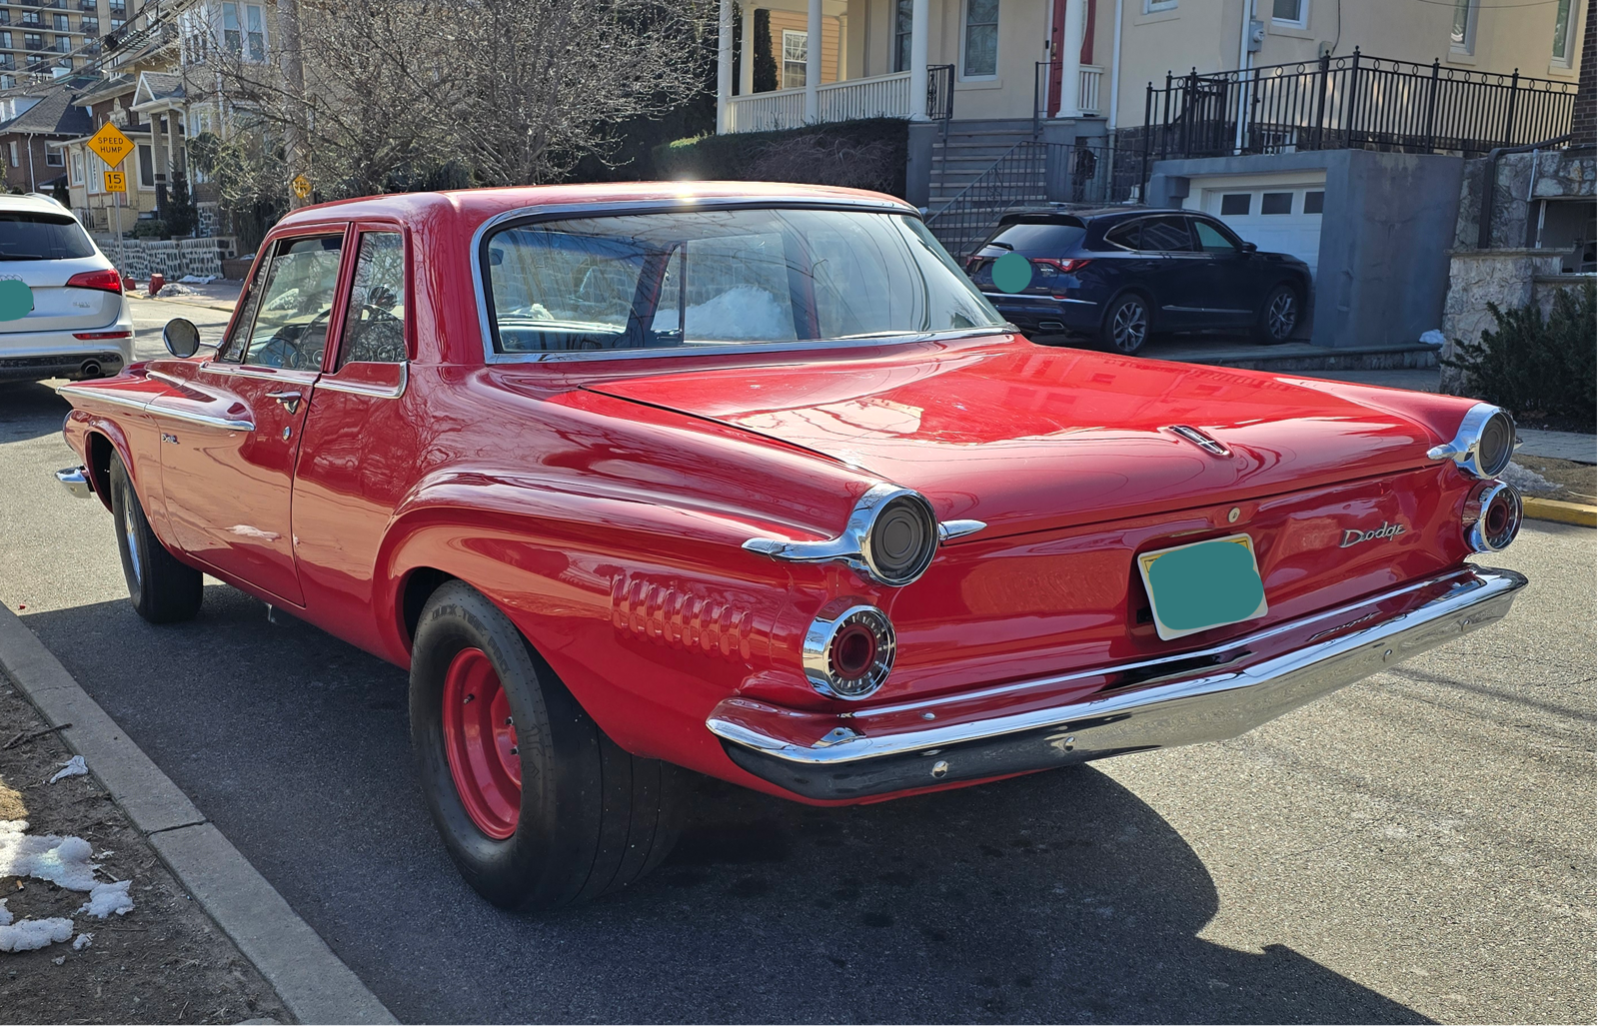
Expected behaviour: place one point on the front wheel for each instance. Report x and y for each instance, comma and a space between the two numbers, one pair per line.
162, 589
537, 807
1127, 325
1280, 315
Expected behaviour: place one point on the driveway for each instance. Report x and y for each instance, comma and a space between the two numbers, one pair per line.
1418, 847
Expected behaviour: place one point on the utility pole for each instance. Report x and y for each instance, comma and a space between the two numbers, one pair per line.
294, 85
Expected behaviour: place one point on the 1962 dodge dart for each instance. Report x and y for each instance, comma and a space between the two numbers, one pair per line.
751, 480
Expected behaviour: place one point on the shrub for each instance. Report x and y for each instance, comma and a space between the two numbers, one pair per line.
1537, 366
860, 154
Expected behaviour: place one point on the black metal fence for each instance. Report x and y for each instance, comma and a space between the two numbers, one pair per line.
1353, 102
941, 92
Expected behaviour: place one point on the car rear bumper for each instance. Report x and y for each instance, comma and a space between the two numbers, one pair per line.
1183, 699
36, 355
1048, 315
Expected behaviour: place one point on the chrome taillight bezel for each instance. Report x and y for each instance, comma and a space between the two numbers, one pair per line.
1479, 513
1466, 448
817, 655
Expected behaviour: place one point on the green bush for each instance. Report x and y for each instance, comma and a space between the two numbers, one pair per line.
1537, 366
860, 154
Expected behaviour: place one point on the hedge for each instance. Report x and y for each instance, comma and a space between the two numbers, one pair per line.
860, 154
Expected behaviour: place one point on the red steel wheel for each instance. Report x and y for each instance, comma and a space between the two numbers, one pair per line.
480, 742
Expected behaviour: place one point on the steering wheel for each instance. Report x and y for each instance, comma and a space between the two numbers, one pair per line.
370, 319
287, 353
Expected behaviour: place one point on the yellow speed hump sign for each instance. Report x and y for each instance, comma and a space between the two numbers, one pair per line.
110, 145
301, 186
116, 181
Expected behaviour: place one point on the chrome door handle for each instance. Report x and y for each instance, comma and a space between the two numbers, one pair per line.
289, 400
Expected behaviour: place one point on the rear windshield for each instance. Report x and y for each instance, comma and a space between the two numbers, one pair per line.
723, 277
25, 235
1035, 239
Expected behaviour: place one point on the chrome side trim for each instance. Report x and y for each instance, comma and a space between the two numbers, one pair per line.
236, 370
372, 391
950, 530
101, 395
76, 481
245, 423
1209, 705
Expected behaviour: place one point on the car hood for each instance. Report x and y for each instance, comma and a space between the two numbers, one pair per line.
1026, 438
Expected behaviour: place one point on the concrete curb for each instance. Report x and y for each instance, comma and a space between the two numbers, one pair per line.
1559, 511
186, 300
310, 979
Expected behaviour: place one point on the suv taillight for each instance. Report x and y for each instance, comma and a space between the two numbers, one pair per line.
1064, 266
107, 281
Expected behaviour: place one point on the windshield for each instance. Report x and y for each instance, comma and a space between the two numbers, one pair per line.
37, 236
723, 277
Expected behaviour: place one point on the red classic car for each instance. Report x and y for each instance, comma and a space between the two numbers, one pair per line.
751, 480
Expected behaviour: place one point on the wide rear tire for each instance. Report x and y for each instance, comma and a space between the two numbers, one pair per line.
162, 589
537, 807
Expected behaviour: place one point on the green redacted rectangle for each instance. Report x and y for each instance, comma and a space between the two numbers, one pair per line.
1202, 585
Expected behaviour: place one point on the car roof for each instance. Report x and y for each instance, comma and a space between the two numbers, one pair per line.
11, 203
1103, 215
478, 205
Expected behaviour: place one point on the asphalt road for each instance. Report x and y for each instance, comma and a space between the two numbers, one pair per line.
1418, 847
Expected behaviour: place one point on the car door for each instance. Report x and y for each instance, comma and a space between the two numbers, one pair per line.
362, 435
1176, 285
228, 482
1231, 275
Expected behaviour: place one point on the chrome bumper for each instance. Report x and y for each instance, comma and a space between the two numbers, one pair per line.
76, 481
1197, 696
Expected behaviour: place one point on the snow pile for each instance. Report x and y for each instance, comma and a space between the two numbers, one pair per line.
198, 279
84, 940
33, 934
1525, 480
744, 313
73, 767
107, 898
60, 860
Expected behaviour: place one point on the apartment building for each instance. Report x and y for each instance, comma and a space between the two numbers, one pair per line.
50, 37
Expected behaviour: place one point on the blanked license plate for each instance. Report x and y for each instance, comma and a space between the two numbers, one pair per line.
1202, 585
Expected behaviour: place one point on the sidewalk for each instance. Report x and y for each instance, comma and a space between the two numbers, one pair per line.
221, 294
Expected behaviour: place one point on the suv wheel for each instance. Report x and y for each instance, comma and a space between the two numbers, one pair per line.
1127, 325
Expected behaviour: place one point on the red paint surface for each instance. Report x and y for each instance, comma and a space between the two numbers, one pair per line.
601, 504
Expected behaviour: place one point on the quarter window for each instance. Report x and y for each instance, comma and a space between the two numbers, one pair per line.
1166, 235
981, 41
285, 320
375, 320
1125, 235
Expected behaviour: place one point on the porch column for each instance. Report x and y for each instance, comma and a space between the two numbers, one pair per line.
747, 50
813, 57
1071, 57
724, 62
919, 60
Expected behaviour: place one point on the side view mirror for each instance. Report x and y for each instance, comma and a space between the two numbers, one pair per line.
1249, 247
181, 338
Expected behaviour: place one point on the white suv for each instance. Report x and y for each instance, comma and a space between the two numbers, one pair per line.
78, 325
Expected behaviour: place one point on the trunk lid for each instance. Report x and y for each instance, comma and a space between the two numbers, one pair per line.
43, 250
1028, 438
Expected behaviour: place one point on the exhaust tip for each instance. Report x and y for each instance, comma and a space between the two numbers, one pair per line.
91, 369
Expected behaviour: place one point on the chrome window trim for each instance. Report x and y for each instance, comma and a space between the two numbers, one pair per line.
244, 370
555, 212
333, 384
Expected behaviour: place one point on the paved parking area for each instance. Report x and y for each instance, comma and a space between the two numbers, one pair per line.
1418, 847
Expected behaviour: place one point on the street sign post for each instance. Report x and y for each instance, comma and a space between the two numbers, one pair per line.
112, 146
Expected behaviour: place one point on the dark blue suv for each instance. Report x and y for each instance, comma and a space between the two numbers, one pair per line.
1120, 275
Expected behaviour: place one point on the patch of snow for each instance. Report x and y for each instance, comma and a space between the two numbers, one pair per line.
73, 767
5, 914
199, 279
1434, 338
60, 961
33, 934
108, 898
743, 313
83, 940
63, 861
1525, 480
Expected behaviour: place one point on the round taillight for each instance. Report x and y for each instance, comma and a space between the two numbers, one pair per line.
1492, 516
849, 650
1496, 442
902, 541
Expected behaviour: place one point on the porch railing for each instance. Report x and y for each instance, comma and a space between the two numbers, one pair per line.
880, 96
767, 112
1353, 102
1089, 77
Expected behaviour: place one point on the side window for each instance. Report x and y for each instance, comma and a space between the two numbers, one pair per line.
1211, 240
1167, 234
286, 325
1125, 235
375, 320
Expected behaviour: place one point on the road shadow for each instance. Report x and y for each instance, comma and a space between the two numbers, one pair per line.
30, 409
1060, 897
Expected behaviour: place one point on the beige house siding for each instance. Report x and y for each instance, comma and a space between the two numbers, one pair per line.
1204, 34
795, 21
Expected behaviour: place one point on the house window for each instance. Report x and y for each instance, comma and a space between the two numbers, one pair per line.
256, 34
59, 22
147, 168
980, 40
77, 169
1464, 26
1152, 6
54, 156
116, 22
32, 41
794, 59
230, 28
89, 25
5, 40
1235, 204
902, 35
1561, 46
1290, 12
63, 44
15, 162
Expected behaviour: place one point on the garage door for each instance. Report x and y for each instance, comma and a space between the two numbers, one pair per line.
1278, 214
